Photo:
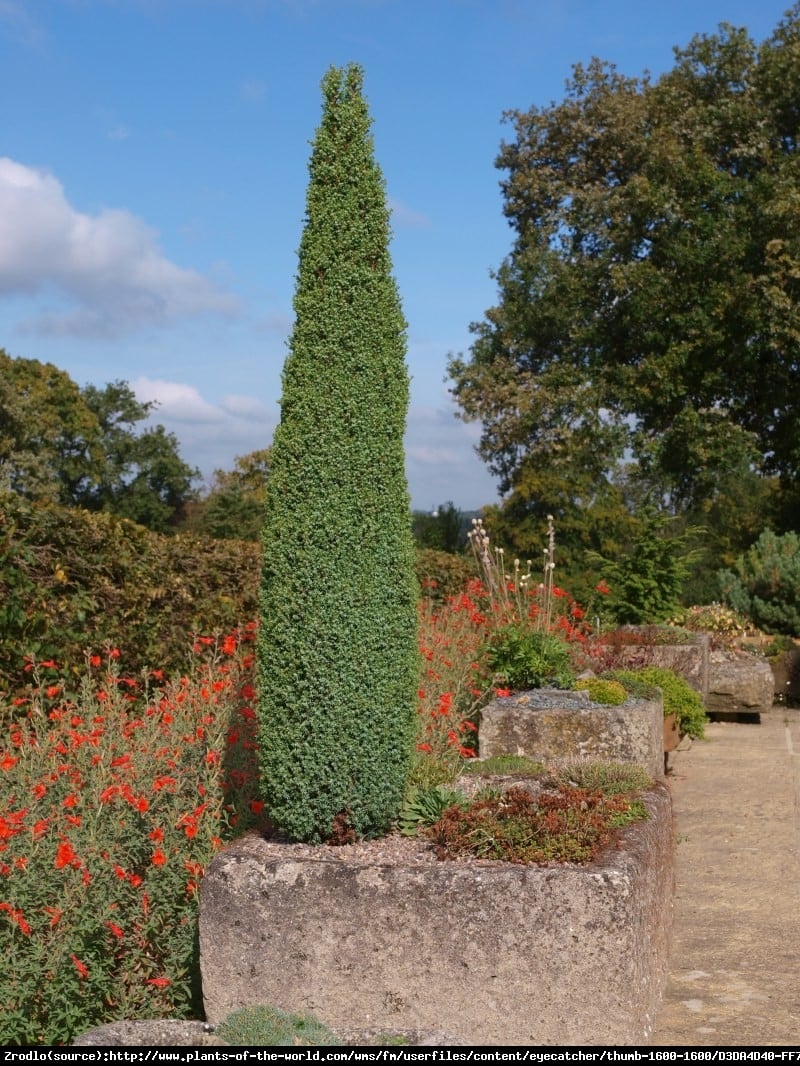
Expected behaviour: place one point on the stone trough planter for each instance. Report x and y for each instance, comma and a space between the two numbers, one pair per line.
160, 1032
553, 724
493, 953
691, 660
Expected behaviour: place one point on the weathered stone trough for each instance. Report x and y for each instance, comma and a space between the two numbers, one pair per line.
494, 953
553, 724
690, 658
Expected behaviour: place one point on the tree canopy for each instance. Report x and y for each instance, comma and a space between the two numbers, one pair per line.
82, 446
648, 315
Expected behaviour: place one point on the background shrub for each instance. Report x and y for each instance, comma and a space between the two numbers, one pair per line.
680, 698
72, 581
764, 584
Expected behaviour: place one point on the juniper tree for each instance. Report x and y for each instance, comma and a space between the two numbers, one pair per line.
337, 653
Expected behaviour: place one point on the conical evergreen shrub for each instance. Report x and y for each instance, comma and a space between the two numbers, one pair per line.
337, 654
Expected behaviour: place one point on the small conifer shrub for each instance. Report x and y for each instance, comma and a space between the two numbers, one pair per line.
337, 657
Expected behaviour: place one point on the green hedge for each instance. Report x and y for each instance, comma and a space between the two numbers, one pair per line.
72, 582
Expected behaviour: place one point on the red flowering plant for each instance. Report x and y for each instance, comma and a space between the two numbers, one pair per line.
113, 804
453, 682
535, 623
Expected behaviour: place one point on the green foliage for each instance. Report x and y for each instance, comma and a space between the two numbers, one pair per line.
441, 574
603, 690
264, 1026
714, 618
50, 444
140, 476
444, 529
72, 582
680, 698
522, 658
647, 314
611, 778
338, 656
424, 806
505, 765
234, 505
765, 583
647, 574
78, 447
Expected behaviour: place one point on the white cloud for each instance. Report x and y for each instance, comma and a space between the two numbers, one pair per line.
108, 267
441, 463
176, 402
210, 435
246, 407
403, 215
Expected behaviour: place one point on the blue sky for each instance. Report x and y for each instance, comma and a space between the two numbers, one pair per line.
153, 173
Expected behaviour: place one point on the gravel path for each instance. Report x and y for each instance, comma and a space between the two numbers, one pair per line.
735, 962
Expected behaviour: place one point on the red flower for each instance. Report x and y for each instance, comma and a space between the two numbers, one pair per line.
159, 982
8, 761
80, 966
602, 588
256, 806
115, 929
65, 855
17, 916
159, 858
164, 782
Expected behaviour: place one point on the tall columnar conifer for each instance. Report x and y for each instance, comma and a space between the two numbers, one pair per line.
337, 655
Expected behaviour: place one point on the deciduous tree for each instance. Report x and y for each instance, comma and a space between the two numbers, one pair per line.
649, 308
